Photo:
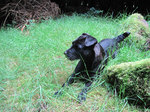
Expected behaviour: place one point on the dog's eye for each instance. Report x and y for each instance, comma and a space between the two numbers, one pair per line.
74, 44
77, 46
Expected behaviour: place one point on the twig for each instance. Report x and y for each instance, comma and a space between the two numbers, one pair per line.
36, 10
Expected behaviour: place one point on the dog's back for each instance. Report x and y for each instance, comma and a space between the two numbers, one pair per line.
108, 43
110, 46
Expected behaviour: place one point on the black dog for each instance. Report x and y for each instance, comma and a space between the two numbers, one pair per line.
93, 57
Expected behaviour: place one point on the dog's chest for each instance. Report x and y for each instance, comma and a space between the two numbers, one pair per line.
85, 75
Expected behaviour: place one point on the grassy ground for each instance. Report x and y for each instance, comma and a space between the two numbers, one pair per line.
33, 67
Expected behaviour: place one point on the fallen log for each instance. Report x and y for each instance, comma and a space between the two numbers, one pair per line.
131, 80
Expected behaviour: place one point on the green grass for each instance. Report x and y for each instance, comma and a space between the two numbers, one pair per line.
33, 67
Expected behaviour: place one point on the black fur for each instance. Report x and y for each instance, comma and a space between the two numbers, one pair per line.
93, 57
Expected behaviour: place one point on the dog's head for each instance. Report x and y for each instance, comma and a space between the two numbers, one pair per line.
82, 48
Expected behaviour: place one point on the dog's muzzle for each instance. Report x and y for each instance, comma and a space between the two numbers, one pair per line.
67, 55
71, 55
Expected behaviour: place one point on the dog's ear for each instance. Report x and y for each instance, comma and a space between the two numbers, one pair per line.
99, 52
85, 34
99, 55
89, 41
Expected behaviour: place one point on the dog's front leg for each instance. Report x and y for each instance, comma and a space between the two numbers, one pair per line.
82, 95
70, 80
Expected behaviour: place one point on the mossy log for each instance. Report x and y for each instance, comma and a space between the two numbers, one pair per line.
132, 80
138, 27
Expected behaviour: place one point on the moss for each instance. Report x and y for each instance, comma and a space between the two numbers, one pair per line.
138, 27
132, 80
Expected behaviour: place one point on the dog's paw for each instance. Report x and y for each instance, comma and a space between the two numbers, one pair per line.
81, 97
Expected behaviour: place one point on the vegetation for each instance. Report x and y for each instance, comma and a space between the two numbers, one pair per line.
33, 67
131, 79
139, 28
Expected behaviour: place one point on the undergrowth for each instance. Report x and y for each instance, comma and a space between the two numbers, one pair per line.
33, 67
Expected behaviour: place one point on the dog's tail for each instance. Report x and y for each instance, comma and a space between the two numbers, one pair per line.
122, 37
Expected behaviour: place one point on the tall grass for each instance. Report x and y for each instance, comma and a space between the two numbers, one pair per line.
33, 67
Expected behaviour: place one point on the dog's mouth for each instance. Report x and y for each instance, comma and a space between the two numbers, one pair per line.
70, 58
71, 55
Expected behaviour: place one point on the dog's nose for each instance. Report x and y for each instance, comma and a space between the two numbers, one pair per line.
65, 52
